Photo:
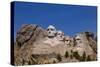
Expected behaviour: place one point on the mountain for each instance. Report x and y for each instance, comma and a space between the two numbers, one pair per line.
32, 46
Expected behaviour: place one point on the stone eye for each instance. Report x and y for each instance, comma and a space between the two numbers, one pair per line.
47, 29
66, 40
52, 29
77, 39
58, 33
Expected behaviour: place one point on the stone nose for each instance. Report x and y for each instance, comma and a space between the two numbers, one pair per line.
49, 31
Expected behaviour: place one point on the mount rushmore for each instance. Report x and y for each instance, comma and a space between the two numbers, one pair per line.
35, 45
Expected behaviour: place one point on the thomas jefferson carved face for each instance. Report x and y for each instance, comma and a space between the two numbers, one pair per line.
60, 35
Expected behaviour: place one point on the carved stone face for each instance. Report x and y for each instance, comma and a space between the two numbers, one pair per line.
60, 35
51, 31
78, 39
67, 40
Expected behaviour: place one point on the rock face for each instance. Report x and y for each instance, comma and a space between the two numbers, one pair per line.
85, 44
33, 46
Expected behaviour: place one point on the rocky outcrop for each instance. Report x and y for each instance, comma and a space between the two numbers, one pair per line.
25, 39
33, 46
86, 45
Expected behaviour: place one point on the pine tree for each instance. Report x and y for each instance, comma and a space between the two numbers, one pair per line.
88, 58
76, 55
83, 57
59, 57
66, 54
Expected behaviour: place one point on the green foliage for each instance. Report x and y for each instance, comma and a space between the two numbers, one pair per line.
66, 54
59, 57
83, 57
88, 58
76, 55
54, 61
71, 56
71, 51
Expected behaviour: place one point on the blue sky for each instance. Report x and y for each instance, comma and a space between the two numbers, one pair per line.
71, 19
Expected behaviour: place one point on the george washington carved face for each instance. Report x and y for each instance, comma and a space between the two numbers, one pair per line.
51, 31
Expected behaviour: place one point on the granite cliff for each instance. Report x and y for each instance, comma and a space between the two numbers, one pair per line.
33, 46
